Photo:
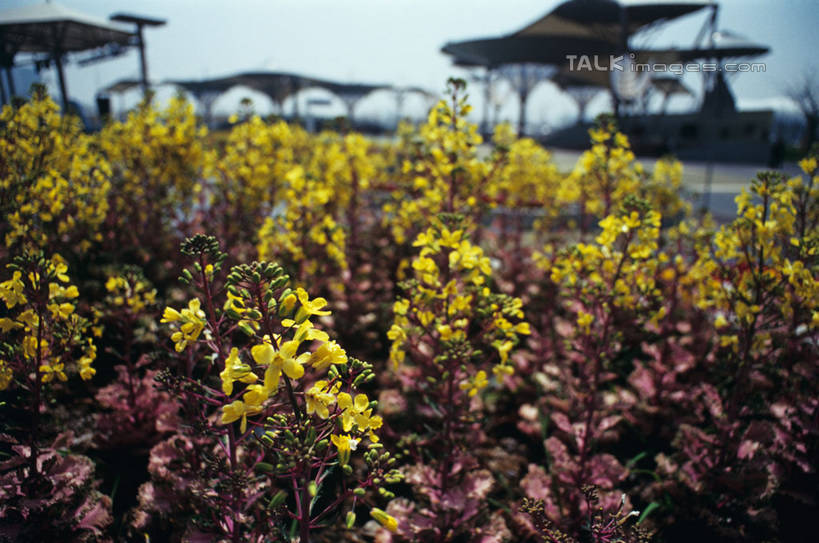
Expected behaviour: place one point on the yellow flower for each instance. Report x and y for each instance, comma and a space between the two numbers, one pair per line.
319, 397
62, 311
400, 307
584, 321
384, 519
523, 328
236, 410
344, 444
193, 322
50, 371
11, 291
235, 370
6, 325
86, 371
808, 165
306, 331
503, 350
288, 304
358, 412
426, 317
283, 360
309, 307
255, 396
355, 411
328, 353
445, 332
475, 385
6, 375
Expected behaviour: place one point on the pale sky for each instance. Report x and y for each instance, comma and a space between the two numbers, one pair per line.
399, 41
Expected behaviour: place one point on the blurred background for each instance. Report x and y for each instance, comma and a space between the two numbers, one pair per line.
370, 63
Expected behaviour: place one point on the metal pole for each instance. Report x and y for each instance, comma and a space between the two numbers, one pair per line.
399, 105
142, 61
296, 86
3, 98
57, 55
709, 166
624, 50
523, 95
487, 97
350, 111
10, 77
58, 60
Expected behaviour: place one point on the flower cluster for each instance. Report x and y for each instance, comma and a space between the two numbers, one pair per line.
547, 351
449, 334
286, 398
446, 174
45, 491
157, 158
54, 183
249, 171
46, 329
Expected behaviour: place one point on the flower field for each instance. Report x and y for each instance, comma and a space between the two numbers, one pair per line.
270, 335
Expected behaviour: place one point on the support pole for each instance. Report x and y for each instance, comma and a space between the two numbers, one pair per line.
524, 98
57, 55
3, 99
58, 60
295, 88
523, 95
142, 61
400, 95
10, 77
624, 51
350, 104
487, 98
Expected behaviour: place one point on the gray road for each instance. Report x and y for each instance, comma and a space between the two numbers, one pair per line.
726, 182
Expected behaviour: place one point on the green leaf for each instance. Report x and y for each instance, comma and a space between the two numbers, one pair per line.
647, 511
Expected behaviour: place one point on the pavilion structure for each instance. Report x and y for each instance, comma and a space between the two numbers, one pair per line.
51, 32
279, 86
595, 28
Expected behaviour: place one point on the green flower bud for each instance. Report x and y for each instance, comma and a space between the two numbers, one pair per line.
277, 499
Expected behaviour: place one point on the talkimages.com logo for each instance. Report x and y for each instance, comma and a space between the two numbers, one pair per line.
626, 63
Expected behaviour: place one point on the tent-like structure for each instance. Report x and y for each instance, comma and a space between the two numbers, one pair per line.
600, 28
56, 31
278, 86
595, 27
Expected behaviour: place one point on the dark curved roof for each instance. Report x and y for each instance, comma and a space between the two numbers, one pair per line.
42, 28
123, 85
725, 45
204, 86
602, 18
521, 49
278, 85
574, 27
